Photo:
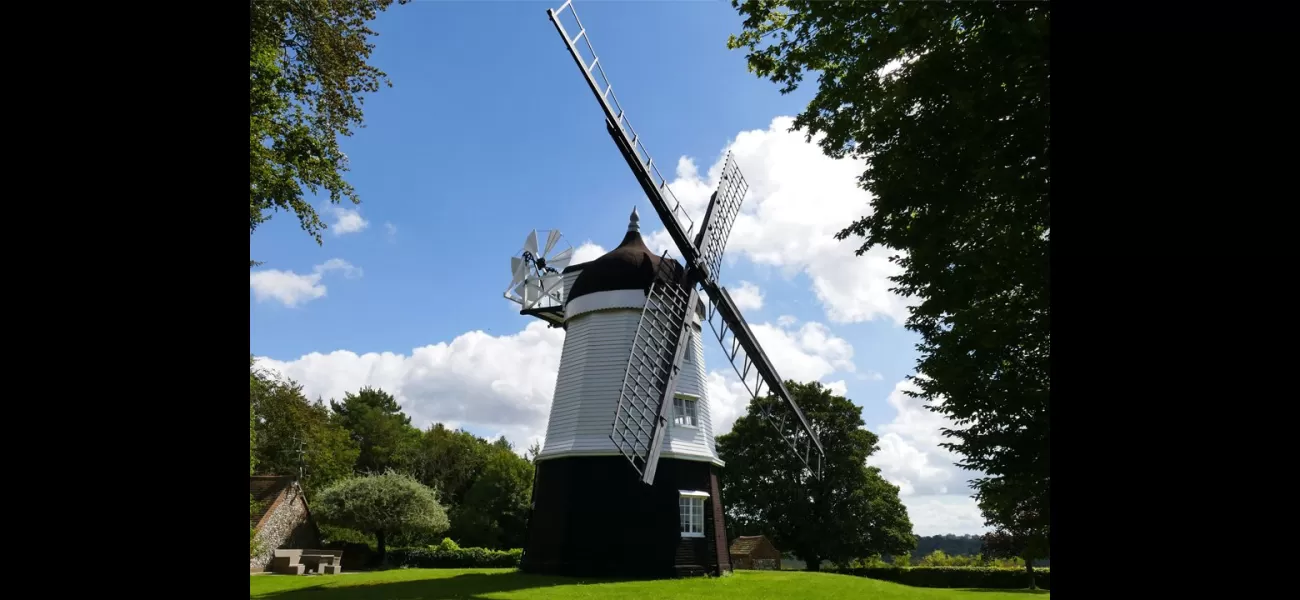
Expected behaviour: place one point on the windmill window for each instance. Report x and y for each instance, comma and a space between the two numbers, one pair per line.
692, 513
685, 412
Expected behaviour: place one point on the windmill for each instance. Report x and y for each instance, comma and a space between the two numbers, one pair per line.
632, 357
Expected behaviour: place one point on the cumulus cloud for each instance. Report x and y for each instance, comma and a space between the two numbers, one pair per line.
938, 515
798, 199
747, 296
586, 252
806, 353
293, 289
839, 388
347, 220
932, 486
501, 384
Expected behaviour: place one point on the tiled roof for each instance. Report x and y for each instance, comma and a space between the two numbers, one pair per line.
744, 544
265, 489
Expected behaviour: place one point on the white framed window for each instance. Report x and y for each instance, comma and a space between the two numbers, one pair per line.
685, 411
691, 505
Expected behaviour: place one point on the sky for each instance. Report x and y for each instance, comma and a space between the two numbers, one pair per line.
489, 132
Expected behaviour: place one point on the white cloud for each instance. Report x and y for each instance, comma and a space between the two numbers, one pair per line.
727, 401
293, 289
747, 296
932, 486
940, 514
390, 231
871, 376
586, 252
808, 353
798, 200
347, 220
839, 388
501, 384
804, 354
786, 320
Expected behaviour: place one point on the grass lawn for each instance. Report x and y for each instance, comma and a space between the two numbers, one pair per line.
440, 584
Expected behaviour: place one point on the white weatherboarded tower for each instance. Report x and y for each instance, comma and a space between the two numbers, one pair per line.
604, 300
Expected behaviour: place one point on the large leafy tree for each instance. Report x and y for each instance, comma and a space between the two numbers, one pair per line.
382, 504
450, 461
382, 431
851, 512
307, 74
949, 104
291, 431
494, 513
1021, 527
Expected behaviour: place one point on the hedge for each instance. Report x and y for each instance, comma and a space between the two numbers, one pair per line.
434, 557
955, 577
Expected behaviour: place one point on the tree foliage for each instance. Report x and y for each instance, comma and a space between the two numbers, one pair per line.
307, 74
254, 390
1021, 527
958, 142
379, 427
850, 512
494, 513
450, 461
287, 422
382, 504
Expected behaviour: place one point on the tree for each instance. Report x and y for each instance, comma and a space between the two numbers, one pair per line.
533, 451
450, 461
382, 431
287, 423
494, 513
307, 74
382, 504
1022, 531
851, 512
958, 140
254, 390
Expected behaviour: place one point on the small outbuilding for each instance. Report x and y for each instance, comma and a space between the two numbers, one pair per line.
284, 521
755, 552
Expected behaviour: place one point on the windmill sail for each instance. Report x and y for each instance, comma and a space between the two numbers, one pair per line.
786, 417
718, 219
662, 335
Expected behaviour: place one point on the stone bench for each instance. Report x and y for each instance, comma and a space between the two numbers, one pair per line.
327, 562
286, 562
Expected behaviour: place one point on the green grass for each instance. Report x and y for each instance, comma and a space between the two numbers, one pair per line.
442, 584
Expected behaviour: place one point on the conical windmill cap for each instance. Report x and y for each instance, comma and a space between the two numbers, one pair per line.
630, 266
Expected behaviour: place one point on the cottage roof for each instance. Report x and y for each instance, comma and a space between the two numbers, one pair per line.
746, 544
265, 489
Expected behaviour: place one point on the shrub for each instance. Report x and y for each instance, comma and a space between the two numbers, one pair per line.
447, 544
254, 545
436, 557
955, 577
903, 560
356, 555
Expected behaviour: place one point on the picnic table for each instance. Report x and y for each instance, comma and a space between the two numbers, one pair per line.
298, 562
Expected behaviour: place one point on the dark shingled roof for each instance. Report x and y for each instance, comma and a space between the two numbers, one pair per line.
265, 489
744, 545
630, 266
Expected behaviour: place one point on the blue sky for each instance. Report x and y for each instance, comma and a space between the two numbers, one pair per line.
489, 131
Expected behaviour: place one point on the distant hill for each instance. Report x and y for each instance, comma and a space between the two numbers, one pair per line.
952, 545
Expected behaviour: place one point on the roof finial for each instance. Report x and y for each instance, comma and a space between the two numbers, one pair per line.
634, 223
